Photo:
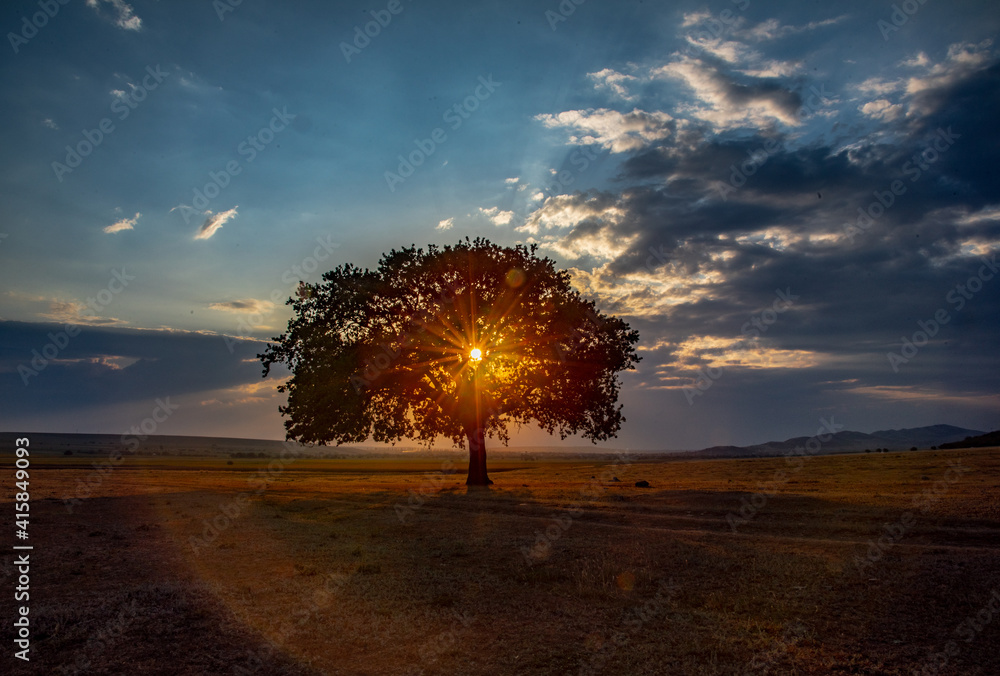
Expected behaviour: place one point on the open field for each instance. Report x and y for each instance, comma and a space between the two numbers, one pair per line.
188, 566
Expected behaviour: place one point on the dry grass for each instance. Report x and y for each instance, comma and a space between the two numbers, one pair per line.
318, 575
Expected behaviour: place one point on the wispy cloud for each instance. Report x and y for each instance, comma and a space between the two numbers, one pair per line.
882, 109
772, 29
260, 392
123, 224
214, 222
496, 216
445, 224
73, 312
618, 132
243, 306
123, 15
728, 103
879, 86
614, 82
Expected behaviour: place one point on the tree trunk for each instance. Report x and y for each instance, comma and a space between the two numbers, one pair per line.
477, 458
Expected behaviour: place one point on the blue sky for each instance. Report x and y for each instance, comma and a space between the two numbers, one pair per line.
684, 161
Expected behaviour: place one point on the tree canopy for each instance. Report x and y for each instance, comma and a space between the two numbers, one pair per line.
456, 342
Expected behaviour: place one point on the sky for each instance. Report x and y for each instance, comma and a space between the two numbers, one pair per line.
796, 204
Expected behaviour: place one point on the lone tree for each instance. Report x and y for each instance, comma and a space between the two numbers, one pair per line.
456, 342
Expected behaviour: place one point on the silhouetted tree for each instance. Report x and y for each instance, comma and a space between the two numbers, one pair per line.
455, 342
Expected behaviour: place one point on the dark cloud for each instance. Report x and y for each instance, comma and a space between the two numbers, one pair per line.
111, 365
733, 218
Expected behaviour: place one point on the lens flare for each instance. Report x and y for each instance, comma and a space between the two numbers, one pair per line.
476, 354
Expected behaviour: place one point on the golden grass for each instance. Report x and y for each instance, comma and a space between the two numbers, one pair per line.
313, 571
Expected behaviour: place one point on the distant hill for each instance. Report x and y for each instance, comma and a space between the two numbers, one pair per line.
849, 442
988, 439
104, 444
942, 436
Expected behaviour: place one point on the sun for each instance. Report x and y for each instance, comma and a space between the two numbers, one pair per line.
476, 354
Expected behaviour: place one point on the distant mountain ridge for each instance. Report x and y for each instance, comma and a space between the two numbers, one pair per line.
983, 440
942, 436
849, 442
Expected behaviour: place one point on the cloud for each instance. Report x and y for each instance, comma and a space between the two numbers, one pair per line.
244, 306
496, 216
73, 312
110, 365
596, 243
516, 182
880, 86
214, 222
614, 82
772, 29
618, 132
52, 309
124, 16
728, 103
48, 122
690, 269
694, 18
919, 61
921, 94
563, 212
123, 224
723, 352
882, 109
446, 224
962, 61
264, 391
737, 55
